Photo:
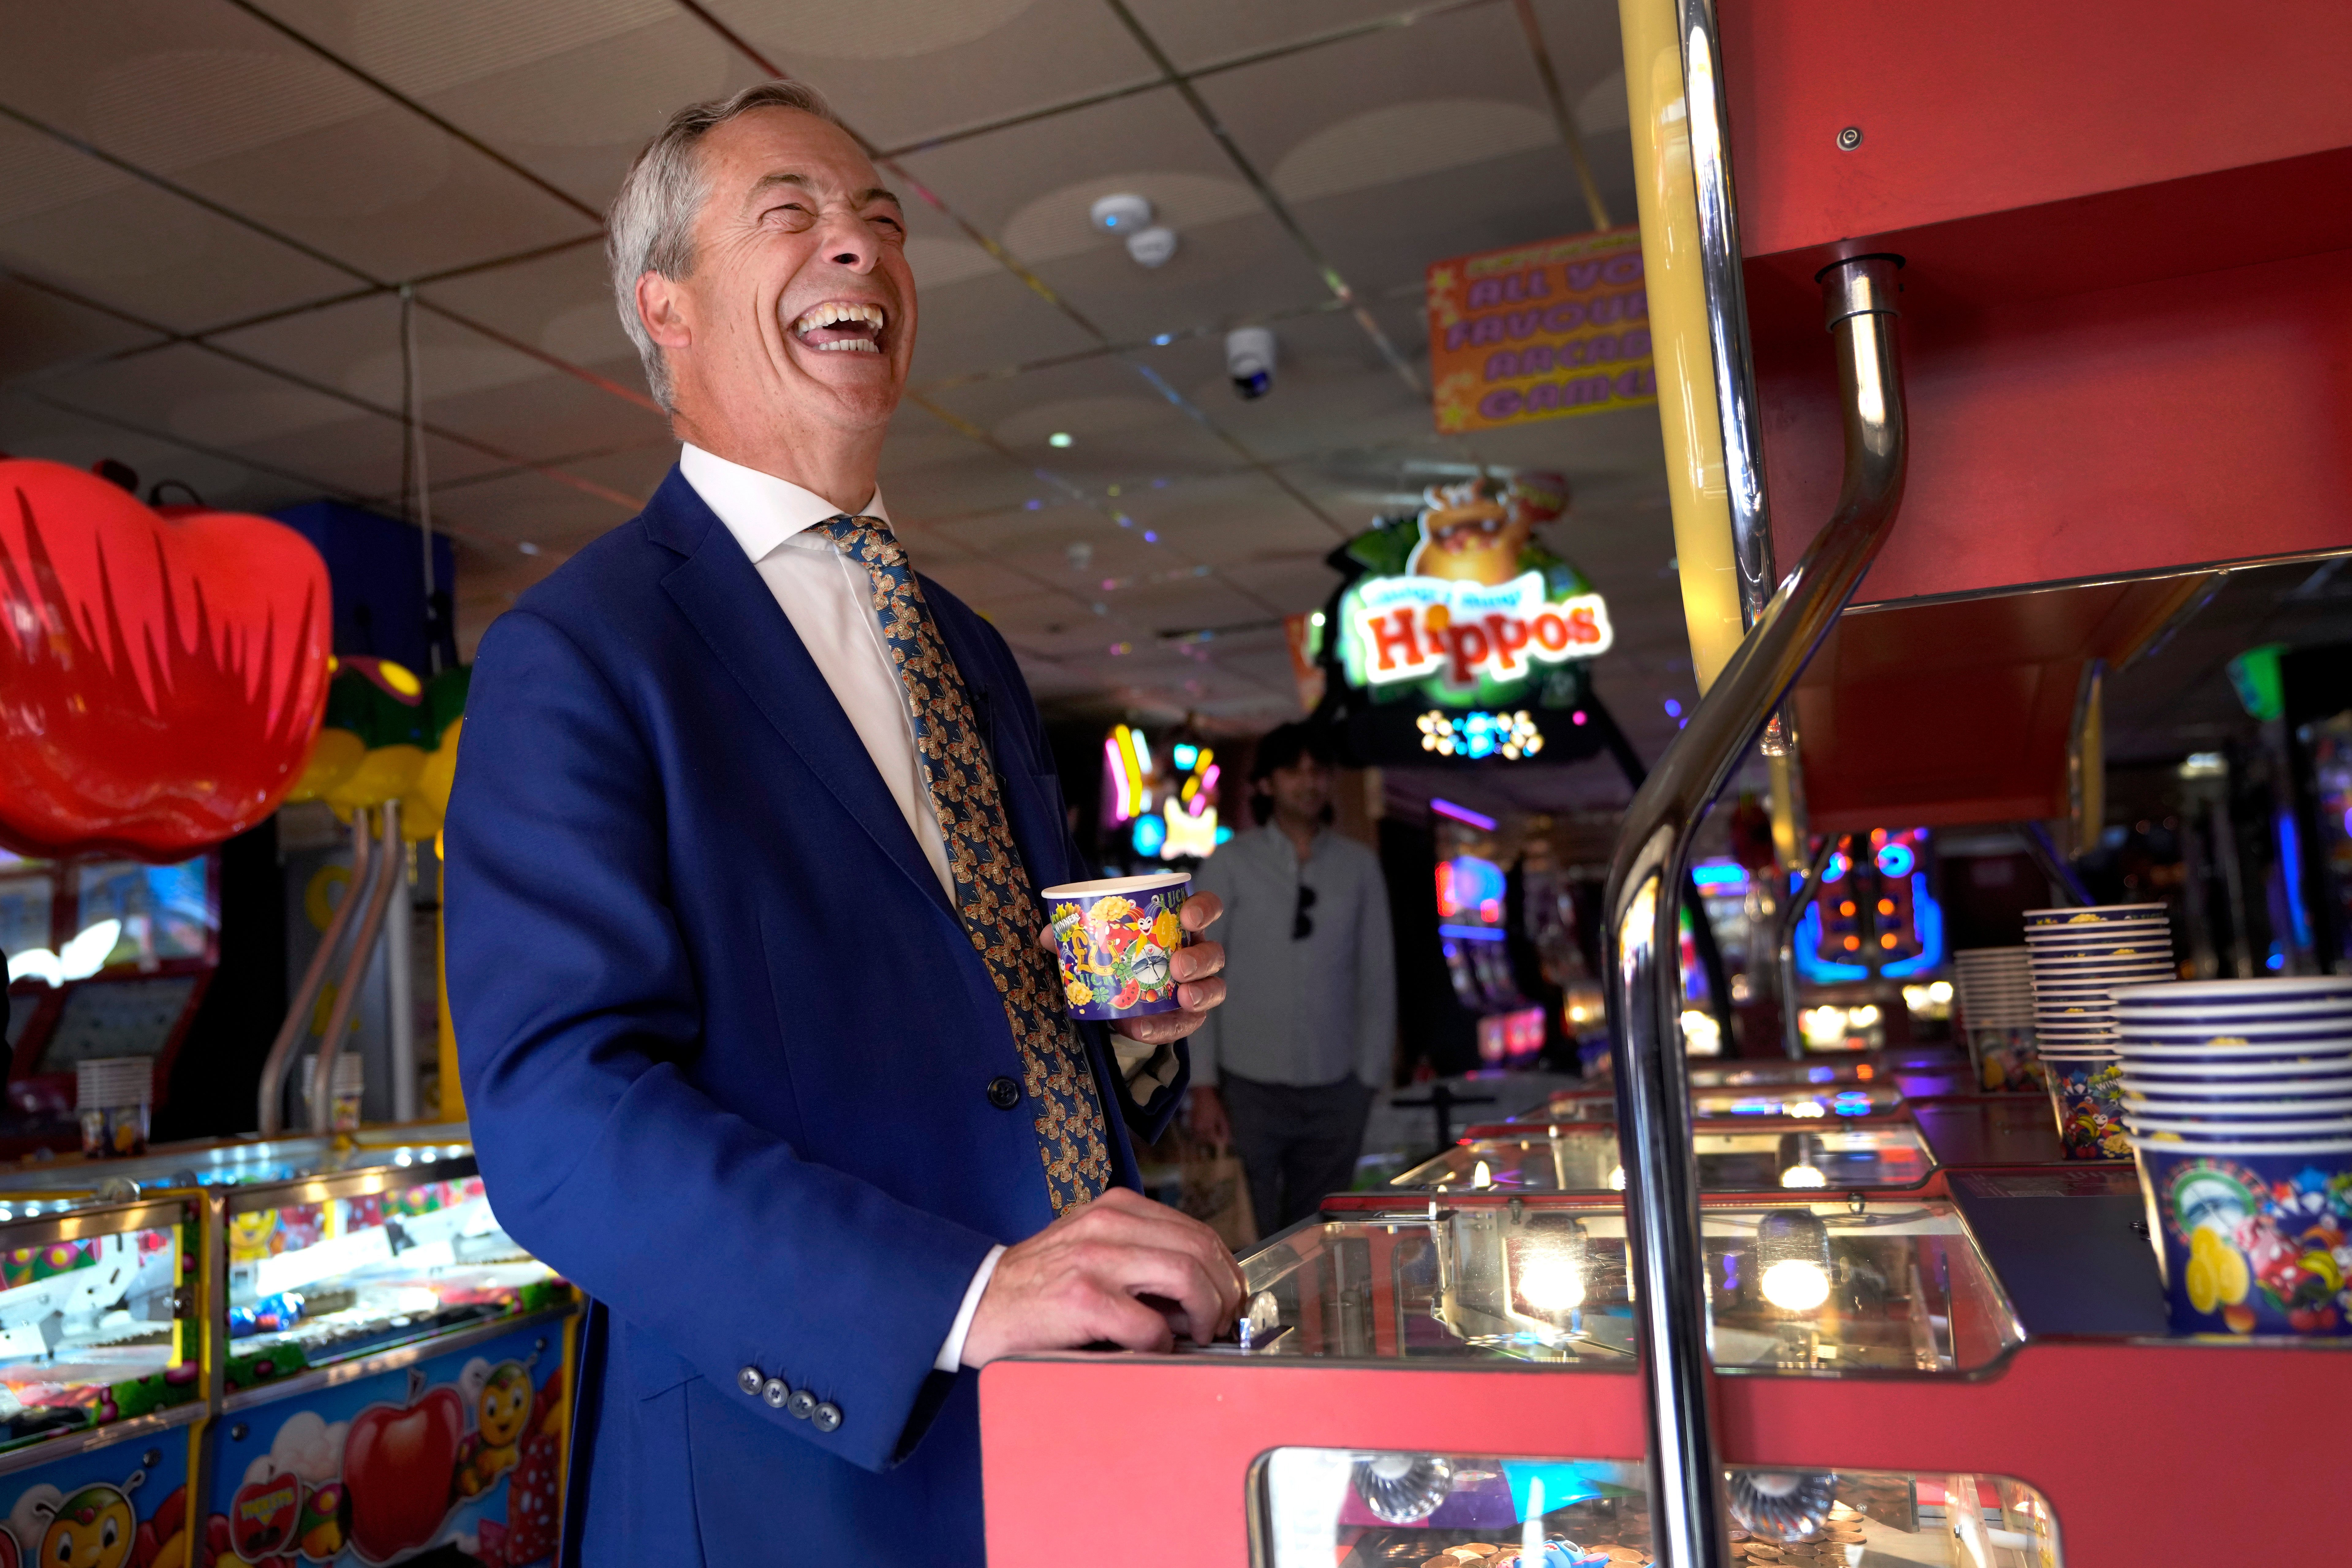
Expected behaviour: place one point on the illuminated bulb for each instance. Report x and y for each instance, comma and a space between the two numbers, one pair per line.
1807, 1108
1803, 1177
1482, 1177
1863, 1016
1617, 1177
1551, 1283
1795, 1286
1939, 991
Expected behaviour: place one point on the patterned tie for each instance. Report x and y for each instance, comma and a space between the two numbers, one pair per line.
992, 894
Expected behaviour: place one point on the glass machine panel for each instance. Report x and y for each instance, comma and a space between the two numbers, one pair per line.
1818, 1286
94, 1328
1581, 1157
1339, 1508
327, 1270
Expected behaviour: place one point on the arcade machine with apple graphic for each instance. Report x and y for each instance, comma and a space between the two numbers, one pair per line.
274, 1351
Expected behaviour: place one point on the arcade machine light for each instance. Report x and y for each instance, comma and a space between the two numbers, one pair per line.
106, 958
1472, 931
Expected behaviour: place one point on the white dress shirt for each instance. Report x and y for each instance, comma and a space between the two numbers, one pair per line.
828, 599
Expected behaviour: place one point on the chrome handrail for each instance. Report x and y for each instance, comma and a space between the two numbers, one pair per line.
269, 1111
389, 882
1689, 1511
1784, 943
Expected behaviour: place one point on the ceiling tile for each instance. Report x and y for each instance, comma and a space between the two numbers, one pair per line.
162, 258
1032, 185
570, 92
39, 331
227, 106
1196, 33
899, 70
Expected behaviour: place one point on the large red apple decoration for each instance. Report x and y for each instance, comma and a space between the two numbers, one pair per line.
397, 1464
162, 673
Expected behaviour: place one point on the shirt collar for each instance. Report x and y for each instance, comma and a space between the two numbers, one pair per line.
759, 510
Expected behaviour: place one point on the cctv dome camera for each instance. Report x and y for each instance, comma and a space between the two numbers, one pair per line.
1122, 214
1249, 359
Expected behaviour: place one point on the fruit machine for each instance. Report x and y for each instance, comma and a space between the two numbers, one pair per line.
102, 1351
396, 1377
107, 958
1474, 932
1452, 1377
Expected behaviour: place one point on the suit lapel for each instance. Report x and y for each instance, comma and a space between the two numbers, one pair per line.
721, 594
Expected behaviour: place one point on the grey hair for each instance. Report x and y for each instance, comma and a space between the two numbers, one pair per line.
650, 227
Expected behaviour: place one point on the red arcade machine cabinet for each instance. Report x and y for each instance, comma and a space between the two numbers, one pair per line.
2108, 362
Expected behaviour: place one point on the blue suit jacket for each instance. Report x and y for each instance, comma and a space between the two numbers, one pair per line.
727, 1052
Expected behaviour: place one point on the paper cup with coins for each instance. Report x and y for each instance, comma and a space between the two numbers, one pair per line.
1117, 940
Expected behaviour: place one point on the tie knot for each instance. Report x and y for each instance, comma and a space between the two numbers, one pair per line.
865, 539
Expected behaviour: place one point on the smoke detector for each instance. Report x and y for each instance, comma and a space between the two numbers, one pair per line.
1121, 214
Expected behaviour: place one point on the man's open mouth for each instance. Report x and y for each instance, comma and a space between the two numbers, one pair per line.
846, 328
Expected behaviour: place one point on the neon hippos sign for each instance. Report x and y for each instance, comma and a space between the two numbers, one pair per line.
1480, 607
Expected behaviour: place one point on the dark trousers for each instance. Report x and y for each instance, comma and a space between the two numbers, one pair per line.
1296, 1143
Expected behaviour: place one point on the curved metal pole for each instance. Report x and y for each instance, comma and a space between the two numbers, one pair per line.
271, 1112
1784, 945
1710, 951
1653, 1120
387, 882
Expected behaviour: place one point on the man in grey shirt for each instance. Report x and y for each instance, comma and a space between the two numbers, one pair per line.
1287, 1067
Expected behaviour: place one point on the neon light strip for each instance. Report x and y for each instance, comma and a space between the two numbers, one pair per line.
1118, 779
1127, 739
1142, 749
1461, 814
1476, 934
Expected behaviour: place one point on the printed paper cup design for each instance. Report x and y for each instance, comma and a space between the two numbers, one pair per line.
2104, 914
2088, 1099
1117, 941
2253, 1243
2229, 995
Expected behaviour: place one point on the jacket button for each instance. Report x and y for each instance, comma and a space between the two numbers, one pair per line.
802, 1405
1003, 1093
826, 1418
775, 1393
749, 1380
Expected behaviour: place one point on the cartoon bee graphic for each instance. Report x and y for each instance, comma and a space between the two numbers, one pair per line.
501, 1411
95, 1527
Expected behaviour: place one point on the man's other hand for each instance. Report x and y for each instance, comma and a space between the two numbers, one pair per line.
1195, 967
1122, 1269
1205, 1112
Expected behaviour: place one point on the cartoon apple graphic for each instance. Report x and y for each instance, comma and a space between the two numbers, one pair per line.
397, 1463
262, 1515
166, 671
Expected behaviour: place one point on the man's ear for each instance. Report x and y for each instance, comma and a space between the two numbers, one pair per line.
662, 308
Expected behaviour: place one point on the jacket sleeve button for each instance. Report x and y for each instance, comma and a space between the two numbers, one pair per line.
1003, 1093
749, 1380
826, 1418
802, 1404
775, 1393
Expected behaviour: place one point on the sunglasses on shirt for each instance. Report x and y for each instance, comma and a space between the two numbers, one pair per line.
1301, 925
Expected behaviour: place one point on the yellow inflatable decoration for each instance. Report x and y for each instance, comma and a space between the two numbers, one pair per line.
388, 736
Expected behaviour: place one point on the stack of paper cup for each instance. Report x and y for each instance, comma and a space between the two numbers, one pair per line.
2078, 957
2239, 1093
1997, 1005
111, 1095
